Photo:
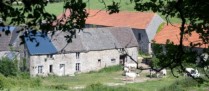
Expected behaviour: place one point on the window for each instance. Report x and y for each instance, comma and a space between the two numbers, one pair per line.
99, 60
77, 55
50, 68
113, 60
50, 56
77, 67
139, 36
62, 66
40, 69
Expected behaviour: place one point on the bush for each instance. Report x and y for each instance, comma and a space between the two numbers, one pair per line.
7, 67
24, 75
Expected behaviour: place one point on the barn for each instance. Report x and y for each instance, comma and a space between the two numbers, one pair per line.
91, 50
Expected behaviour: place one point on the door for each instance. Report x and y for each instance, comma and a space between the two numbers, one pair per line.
122, 59
62, 69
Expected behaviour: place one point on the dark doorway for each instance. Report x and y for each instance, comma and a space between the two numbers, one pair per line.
50, 68
122, 59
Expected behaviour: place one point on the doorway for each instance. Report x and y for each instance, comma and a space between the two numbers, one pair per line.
62, 69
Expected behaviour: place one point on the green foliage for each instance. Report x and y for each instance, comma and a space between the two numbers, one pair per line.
164, 55
155, 62
142, 54
100, 87
24, 64
2, 86
11, 82
160, 27
8, 67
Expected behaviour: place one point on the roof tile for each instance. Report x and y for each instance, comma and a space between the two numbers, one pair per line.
138, 20
171, 32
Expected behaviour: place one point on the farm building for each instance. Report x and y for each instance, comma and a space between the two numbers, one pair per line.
143, 24
91, 50
10, 42
171, 33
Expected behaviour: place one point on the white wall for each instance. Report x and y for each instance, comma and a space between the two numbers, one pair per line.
42, 60
133, 52
88, 61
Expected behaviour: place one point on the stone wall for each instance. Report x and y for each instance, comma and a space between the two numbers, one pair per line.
89, 61
142, 39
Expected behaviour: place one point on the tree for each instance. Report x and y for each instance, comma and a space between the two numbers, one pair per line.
193, 17
192, 13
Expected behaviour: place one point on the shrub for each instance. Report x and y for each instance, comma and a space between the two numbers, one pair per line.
24, 75
7, 67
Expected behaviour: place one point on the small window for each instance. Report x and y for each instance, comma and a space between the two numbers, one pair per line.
50, 56
77, 55
139, 36
77, 67
113, 60
50, 68
62, 65
99, 60
40, 69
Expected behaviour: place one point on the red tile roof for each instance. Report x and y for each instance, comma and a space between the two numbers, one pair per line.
172, 33
138, 20
61, 17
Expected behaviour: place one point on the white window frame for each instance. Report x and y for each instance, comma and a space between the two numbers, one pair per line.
77, 66
40, 69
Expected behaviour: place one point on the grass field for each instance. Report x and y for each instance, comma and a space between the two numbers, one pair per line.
125, 5
92, 79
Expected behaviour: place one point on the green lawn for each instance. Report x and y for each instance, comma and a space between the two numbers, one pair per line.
110, 75
83, 79
55, 8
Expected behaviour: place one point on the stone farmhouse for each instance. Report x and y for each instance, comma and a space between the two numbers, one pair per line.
91, 50
143, 24
171, 33
9, 44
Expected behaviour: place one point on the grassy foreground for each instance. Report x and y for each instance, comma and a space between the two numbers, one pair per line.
96, 81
